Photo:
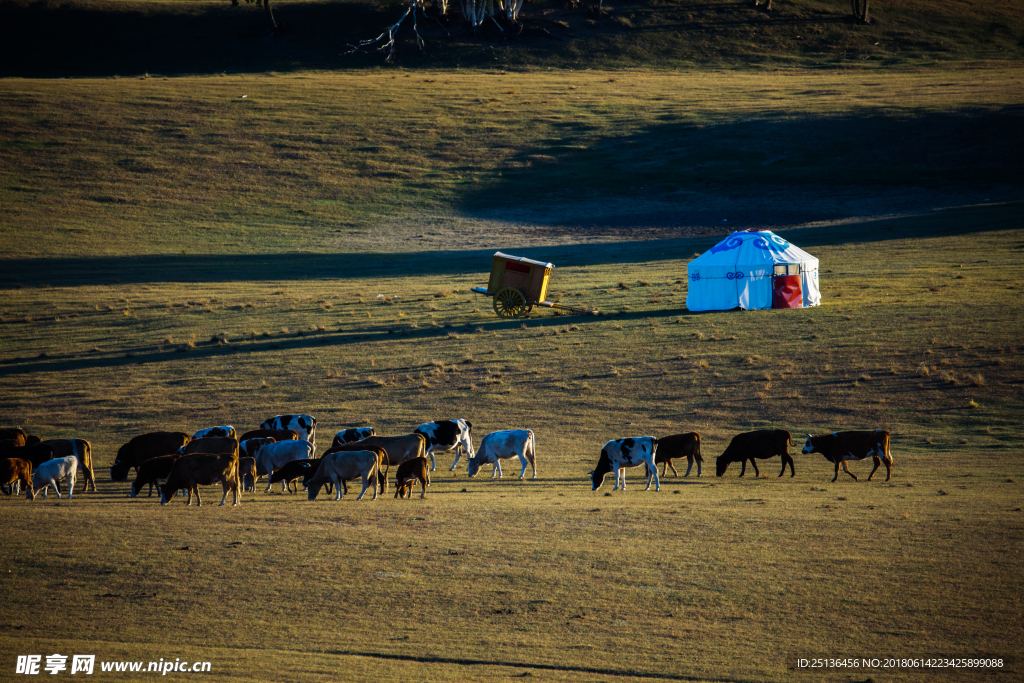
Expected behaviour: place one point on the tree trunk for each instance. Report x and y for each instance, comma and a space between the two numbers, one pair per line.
270, 13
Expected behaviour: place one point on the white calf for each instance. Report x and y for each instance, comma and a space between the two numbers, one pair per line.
504, 445
52, 471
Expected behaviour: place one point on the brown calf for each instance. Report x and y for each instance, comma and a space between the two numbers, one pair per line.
15, 471
409, 472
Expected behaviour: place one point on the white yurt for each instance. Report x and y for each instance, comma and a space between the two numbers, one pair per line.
752, 270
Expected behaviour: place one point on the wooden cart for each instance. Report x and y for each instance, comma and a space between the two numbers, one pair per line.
518, 284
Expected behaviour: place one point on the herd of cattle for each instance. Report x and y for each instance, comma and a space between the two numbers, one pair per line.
283, 449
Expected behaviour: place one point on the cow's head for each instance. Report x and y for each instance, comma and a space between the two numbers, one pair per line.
30, 491
721, 465
604, 466
119, 470
472, 467
809, 445
166, 493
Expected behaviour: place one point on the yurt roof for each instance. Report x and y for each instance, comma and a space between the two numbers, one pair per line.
760, 247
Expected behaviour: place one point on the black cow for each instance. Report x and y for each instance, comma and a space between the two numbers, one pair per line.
145, 447
764, 443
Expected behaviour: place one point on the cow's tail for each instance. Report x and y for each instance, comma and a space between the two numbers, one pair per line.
422, 452
85, 460
696, 448
886, 450
384, 460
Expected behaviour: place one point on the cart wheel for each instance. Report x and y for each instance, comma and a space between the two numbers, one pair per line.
509, 303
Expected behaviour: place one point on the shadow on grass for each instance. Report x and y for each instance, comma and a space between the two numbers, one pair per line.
592, 671
771, 168
103, 270
203, 350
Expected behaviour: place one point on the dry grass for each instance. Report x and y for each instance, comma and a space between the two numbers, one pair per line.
440, 581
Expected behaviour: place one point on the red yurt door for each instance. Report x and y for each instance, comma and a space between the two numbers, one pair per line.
787, 291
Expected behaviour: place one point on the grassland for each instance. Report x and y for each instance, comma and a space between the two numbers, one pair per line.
180, 257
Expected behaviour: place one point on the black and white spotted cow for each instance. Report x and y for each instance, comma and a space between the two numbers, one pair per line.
447, 435
618, 454
223, 430
303, 425
352, 435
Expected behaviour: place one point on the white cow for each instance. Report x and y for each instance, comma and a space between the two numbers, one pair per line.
273, 456
51, 472
618, 454
447, 435
303, 425
223, 430
504, 445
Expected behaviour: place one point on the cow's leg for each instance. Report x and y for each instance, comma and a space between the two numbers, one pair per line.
224, 499
71, 485
433, 463
743, 467
458, 452
497, 467
787, 460
199, 500
753, 463
366, 485
524, 462
423, 487
689, 466
847, 470
837, 472
878, 462
54, 484
672, 467
888, 467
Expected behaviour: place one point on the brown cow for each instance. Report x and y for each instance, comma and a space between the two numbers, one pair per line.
151, 471
17, 471
276, 434
247, 474
211, 444
838, 447
37, 454
764, 443
398, 448
81, 449
142, 448
19, 436
679, 446
202, 469
409, 472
